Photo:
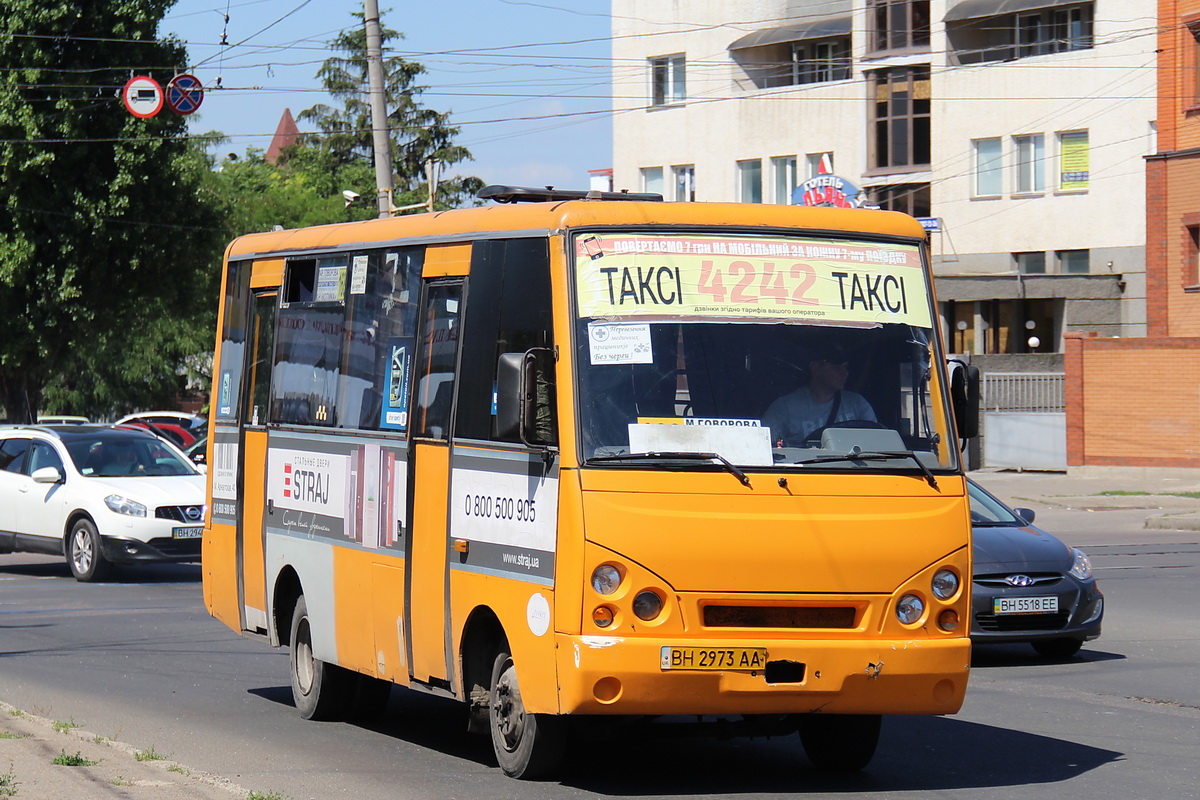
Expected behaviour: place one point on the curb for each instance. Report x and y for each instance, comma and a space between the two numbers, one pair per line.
29, 746
1173, 522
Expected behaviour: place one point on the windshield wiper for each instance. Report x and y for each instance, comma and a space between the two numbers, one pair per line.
876, 455
709, 457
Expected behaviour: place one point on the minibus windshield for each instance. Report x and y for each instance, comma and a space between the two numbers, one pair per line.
786, 353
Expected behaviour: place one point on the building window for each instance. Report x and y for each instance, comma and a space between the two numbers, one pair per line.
989, 172
1073, 262
652, 180
976, 39
899, 24
1191, 258
1031, 263
899, 118
820, 62
1059, 30
685, 182
911, 199
1031, 155
818, 164
784, 179
750, 181
1193, 26
1073, 161
667, 81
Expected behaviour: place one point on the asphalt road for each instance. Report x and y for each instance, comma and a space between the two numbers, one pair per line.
139, 660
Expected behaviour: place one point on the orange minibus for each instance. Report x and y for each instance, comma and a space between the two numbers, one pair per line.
583, 457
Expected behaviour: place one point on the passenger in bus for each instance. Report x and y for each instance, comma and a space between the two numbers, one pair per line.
819, 403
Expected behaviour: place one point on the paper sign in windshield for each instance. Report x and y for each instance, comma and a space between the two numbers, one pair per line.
748, 445
620, 343
751, 278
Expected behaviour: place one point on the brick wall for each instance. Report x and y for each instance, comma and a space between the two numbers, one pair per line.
1173, 178
1132, 402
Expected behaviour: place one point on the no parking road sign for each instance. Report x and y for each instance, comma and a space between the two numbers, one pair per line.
142, 96
185, 94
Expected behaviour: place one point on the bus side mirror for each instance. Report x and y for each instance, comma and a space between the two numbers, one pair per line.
964, 393
525, 397
508, 395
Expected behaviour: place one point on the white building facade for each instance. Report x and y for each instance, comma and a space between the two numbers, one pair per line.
1017, 129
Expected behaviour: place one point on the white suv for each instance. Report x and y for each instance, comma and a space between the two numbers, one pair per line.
98, 496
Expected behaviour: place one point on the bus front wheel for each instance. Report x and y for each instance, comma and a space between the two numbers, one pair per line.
319, 690
526, 745
840, 742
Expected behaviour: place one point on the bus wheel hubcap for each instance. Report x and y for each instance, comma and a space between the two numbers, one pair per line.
508, 710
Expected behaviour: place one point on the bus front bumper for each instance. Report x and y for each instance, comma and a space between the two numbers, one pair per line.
619, 675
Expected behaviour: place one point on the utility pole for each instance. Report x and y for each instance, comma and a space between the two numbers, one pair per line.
380, 137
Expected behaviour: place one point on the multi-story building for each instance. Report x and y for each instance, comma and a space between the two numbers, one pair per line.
1104, 428
1017, 128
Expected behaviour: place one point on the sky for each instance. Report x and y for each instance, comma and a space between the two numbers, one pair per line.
526, 82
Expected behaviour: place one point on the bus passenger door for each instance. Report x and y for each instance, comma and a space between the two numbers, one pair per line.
426, 589
252, 477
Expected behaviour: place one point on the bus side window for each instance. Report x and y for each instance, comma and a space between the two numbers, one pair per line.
380, 338
312, 314
434, 390
233, 340
508, 311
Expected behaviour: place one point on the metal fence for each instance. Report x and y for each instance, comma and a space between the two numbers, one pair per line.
1023, 392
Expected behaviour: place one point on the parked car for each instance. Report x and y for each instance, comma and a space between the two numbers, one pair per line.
98, 496
1028, 586
197, 453
181, 428
61, 419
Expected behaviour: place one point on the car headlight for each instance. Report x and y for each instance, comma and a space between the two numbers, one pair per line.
123, 505
1082, 567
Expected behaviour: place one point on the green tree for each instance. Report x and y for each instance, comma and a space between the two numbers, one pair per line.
107, 243
254, 195
417, 133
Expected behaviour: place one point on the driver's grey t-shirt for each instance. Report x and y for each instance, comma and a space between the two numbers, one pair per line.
795, 415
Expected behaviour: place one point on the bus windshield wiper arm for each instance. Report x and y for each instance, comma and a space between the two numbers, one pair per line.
681, 456
876, 455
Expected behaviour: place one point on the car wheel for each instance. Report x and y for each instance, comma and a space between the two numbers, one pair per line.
319, 690
527, 745
85, 554
1057, 648
840, 742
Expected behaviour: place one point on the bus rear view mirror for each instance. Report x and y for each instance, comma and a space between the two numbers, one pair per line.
508, 396
964, 391
525, 397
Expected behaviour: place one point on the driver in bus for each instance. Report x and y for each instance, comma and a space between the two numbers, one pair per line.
821, 402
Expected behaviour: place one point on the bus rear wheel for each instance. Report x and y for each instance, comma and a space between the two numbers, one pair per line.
527, 745
319, 690
840, 742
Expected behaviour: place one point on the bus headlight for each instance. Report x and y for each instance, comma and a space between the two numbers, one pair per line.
606, 579
647, 605
602, 616
909, 609
944, 584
